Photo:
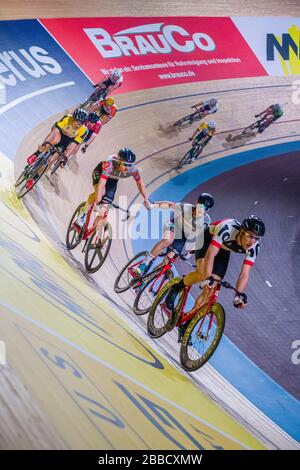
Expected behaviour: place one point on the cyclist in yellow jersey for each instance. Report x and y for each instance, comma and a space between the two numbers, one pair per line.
68, 132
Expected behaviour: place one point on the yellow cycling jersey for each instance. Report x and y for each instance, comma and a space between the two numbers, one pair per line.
204, 128
65, 125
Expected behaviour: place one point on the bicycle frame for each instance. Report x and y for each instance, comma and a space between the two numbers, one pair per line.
185, 317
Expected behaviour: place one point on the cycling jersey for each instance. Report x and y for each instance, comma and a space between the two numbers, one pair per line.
224, 234
210, 110
203, 128
109, 170
66, 128
104, 115
187, 226
93, 128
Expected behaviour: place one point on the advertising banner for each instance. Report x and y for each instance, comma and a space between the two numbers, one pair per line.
155, 52
275, 42
37, 80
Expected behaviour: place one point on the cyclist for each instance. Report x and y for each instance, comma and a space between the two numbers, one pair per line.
186, 223
93, 125
105, 181
220, 239
68, 133
111, 81
269, 115
203, 134
204, 108
106, 109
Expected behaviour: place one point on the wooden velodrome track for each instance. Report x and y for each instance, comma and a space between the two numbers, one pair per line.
144, 128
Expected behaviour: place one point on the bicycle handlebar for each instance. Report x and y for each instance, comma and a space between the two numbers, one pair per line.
228, 286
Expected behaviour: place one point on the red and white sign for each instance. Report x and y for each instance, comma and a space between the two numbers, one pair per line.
153, 52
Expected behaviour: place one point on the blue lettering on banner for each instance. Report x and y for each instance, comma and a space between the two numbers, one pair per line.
40, 80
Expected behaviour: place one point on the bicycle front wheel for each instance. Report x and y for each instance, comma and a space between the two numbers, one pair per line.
21, 188
159, 318
184, 120
202, 336
98, 248
148, 291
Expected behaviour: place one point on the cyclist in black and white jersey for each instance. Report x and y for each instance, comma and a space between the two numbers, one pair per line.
186, 225
220, 239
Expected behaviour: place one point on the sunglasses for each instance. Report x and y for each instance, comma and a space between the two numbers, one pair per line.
252, 237
127, 165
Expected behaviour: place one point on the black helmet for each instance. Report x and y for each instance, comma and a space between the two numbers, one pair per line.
207, 200
93, 117
80, 115
254, 224
126, 155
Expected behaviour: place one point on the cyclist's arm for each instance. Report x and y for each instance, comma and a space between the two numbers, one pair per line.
198, 105
195, 133
142, 188
243, 278
91, 139
164, 204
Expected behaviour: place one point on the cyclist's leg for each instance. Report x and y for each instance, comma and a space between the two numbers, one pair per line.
193, 277
159, 247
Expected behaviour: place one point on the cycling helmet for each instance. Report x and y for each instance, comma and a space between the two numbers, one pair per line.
254, 224
115, 75
212, 125
93, 117
126, 155
207, 200
212, 102
109, 101
277, 107
80, 115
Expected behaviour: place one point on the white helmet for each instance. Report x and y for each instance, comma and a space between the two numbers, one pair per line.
212, 125
115, 75
212, 102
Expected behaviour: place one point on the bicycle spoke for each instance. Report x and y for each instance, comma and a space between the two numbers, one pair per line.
202, 336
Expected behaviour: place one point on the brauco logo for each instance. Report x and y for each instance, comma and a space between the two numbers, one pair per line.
156, 38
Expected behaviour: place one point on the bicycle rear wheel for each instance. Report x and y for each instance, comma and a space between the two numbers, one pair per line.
148, 292
199, 342
250, 128
159, 318
184, 120
98, 248
73, 238
124, 281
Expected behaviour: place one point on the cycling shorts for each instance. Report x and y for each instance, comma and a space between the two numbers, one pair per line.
111, 184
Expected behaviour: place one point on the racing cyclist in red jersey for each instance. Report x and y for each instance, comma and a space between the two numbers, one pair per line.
220, 239
105, 181
93, 126
106, 109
